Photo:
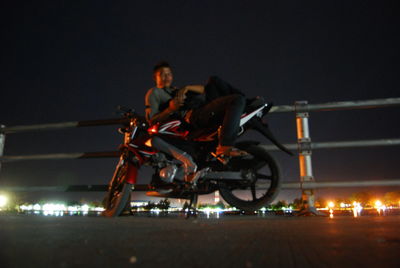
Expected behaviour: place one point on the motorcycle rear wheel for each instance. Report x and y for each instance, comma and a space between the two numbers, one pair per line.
118, 196
261, 186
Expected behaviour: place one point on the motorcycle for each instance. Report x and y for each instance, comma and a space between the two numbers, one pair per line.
247, 182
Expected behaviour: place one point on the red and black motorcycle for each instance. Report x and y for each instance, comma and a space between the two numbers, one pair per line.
247, 182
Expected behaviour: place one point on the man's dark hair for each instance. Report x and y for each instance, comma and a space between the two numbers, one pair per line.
161, 64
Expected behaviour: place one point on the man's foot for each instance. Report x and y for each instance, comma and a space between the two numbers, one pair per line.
192, 178
161, 188
164, 190
224, 153
159, 192
229, 151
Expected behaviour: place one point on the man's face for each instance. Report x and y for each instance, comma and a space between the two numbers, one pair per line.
163, 77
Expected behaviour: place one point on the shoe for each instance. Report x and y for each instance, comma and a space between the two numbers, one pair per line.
159, 192
224, 153
228, 151
164, 191
192, 178
161, 188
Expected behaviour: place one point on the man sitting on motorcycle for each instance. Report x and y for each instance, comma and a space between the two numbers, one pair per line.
222, 105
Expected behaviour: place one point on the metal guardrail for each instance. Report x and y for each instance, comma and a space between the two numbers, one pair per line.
304, 146
331, 106
145, 187
335, 106
292, 146
63, 125
14, 158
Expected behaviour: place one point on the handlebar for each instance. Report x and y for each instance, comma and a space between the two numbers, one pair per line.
130, 114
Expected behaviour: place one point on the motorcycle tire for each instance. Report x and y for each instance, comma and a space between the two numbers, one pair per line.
255, 164
118, 197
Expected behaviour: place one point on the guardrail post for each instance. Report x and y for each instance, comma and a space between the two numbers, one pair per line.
2, 141
304, 148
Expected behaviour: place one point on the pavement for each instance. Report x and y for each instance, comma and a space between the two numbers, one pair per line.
173, 241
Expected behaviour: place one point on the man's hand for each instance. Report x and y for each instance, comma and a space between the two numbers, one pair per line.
181, 95
178, 100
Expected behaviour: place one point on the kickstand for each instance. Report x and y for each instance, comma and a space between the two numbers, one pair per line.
191, 210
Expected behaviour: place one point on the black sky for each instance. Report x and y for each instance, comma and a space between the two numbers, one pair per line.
68, 61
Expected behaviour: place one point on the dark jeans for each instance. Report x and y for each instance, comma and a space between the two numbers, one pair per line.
216, 87
224, 111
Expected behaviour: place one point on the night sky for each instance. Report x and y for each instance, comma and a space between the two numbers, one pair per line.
76, 60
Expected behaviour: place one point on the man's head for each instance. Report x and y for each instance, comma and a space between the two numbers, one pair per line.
162, 75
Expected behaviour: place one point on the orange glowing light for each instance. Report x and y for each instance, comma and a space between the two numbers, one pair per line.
153, 129
331, 204
378, 203
148, 143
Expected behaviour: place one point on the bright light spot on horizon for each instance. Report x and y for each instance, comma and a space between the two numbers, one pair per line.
331, 204
73, 209
3, 200
54, 207
357, 208
380, 207
378, 203
59, 209
287, 209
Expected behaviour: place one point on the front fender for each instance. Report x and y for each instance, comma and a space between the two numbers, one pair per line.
131, 174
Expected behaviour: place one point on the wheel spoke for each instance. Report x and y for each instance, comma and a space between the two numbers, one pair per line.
253, 191
258, 165
263, 176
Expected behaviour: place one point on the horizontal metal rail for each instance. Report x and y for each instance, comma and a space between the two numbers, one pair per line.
55, 126
331, 106
145, 187
15, 158
67, 188
340, 144
314, 145
335, 106
340, 184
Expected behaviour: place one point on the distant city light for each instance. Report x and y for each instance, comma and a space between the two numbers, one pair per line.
331, 204
357, 208
378, 203
3, 200
380, 207
59, 209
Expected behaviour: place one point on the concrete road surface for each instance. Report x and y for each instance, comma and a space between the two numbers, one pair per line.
172, 241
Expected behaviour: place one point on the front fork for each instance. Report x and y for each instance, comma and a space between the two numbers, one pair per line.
131, 172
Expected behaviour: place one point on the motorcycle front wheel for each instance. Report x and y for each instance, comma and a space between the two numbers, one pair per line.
261, 183
118, 196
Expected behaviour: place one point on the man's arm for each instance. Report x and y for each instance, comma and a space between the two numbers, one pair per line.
195, 88
153, 113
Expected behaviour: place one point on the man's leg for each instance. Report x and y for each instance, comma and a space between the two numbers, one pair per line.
224, 111
189, 165
217, 87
